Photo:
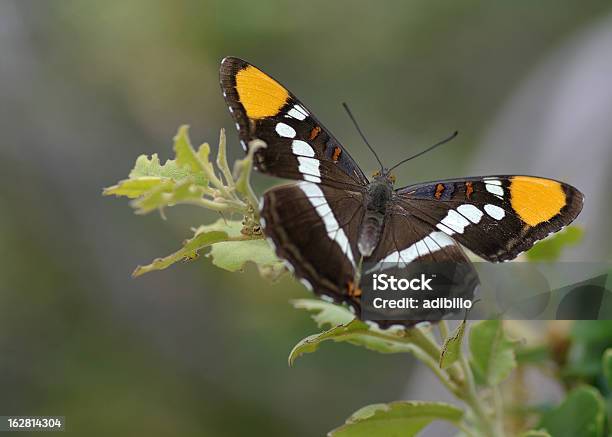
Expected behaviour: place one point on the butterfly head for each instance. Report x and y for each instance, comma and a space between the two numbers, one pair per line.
384, 175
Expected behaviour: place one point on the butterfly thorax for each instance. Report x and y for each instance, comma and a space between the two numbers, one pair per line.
378, 194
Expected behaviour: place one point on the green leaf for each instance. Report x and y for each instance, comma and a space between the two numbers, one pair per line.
551, 248
189, 251
185, 154
451, 349
580, 414
231, 250
536, 433
152, 167
234, 255
492, 353
396, 419
155, 186
168, 193
324, 313
133, 188
607, 367
589, 340
357, 333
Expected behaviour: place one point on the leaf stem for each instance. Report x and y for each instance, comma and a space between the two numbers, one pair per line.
470, 397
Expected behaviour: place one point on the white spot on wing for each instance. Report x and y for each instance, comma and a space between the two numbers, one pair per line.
306, 283
470, 212
309, 166
284, 130
441, 239
302, 148
445, 229
494, 189
271, 243
296, 113
311, 178
288, 266
494, 211
455, 221
492, 181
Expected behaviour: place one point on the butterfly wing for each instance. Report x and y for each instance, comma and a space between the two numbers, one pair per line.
496, 217
410, 246
298, 145
314, 229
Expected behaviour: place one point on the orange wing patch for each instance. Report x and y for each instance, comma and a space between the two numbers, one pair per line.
536, 200
314, 133
469, 189
260, 95
353, 290
439, 191
337, 153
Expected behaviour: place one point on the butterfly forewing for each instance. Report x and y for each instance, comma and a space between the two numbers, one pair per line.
298, 146
496, 217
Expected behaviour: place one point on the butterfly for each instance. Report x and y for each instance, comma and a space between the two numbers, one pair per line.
334, 219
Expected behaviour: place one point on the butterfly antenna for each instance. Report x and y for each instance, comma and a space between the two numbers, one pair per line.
430, 148
350, 114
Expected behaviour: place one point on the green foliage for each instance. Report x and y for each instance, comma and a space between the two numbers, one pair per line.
400, 419
451, 349
192, 179
324, 313
492, 352
551, 248
355, 332
580, 414
590, 338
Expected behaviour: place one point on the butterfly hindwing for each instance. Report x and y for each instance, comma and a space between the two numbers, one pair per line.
298, 146
409, 247
314, 228
496, 217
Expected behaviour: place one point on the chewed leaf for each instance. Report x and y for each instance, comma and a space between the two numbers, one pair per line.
189, 251
551, 248
156, 186
324, 313
152, 167
451, 349
492, 352
402, 418
239, 250
357, 333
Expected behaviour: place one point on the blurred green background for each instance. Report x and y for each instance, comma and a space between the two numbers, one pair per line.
85, 87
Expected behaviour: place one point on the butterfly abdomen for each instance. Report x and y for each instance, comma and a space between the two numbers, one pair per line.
377, 197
